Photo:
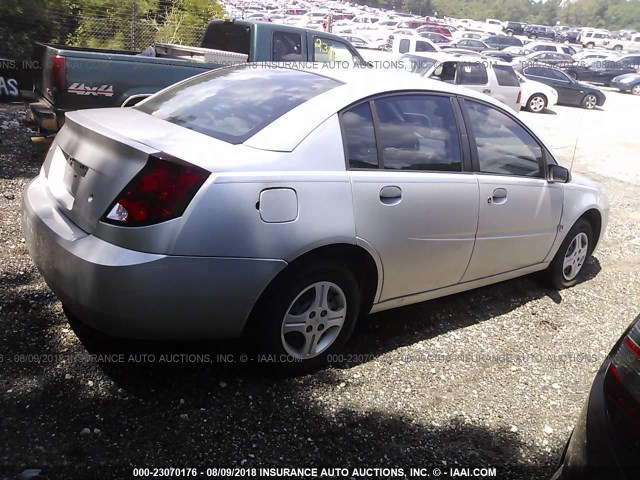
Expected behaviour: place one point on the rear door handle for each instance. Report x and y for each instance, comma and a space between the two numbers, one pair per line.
486, 90
499, 196
390, 195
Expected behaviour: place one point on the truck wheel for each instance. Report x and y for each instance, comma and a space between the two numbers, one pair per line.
589, 101
618, 48
636, 89
509, 33
307, 315
565, 268
537, 103
590, 45
533, 37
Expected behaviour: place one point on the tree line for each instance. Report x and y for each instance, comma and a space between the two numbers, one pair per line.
117, 24
609, 14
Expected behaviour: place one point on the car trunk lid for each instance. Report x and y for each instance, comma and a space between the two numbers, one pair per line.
98, 152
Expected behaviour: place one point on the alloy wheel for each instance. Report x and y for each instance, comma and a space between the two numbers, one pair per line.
575, 256
314, 320
590, 102
537, 104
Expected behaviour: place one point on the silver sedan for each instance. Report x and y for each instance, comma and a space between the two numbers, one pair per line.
284, 203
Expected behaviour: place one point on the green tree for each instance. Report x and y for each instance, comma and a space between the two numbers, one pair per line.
23, 22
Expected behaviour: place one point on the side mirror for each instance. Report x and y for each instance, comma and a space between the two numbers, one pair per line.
559, 174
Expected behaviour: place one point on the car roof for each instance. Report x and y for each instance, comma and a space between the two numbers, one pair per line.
357, 83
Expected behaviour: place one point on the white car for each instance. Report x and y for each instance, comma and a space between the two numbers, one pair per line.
536, 96
491, 77
550, 47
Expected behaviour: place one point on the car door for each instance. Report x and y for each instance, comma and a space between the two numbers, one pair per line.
519, 209
565, 87
413, 201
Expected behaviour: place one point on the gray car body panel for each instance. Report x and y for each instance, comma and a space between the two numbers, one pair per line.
266, 203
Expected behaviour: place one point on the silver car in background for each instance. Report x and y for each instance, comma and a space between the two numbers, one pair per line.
284, 203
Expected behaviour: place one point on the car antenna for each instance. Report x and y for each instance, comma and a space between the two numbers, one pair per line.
575, 145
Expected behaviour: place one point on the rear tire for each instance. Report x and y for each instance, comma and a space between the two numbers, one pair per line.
537, 103
566, 268
307, 315
617, 48
590, 45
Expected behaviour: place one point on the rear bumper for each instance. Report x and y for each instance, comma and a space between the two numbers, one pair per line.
624, 87
133, 294
43, 113
590, 453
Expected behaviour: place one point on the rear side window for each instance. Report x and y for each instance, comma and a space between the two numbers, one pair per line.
506, 76
472, 74
418, 132
228, 36
233, 104
359, 136
404, 46
287, 47
504, 146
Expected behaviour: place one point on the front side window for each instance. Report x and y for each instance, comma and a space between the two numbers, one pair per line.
329, 50
504, 146
424, 47
418, 132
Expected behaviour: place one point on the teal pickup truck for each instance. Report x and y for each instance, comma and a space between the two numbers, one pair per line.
72, 78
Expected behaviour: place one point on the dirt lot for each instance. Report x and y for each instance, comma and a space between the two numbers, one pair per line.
490, 378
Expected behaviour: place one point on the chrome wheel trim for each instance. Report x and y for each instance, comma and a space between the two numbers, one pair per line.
575, 256
590, 101
537, 104
314, 320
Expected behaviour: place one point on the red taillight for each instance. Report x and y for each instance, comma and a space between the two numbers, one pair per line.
622, 381
161, 191
519, 97
59, 73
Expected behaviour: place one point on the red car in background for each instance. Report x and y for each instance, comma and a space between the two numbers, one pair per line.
434, 28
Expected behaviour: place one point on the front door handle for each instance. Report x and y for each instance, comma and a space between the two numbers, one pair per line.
499, 196
390, 195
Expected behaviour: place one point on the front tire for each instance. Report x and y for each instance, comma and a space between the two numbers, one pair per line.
537, 103
617, 48
567, 265
589, 101
307, 315
636, 89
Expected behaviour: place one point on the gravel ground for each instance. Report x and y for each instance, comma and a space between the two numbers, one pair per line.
490, 378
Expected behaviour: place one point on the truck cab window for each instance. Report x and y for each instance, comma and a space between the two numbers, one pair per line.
287, 47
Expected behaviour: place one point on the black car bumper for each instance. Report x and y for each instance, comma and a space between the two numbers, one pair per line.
623, 87
590, 453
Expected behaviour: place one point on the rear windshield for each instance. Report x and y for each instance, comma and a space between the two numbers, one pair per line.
233, 104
